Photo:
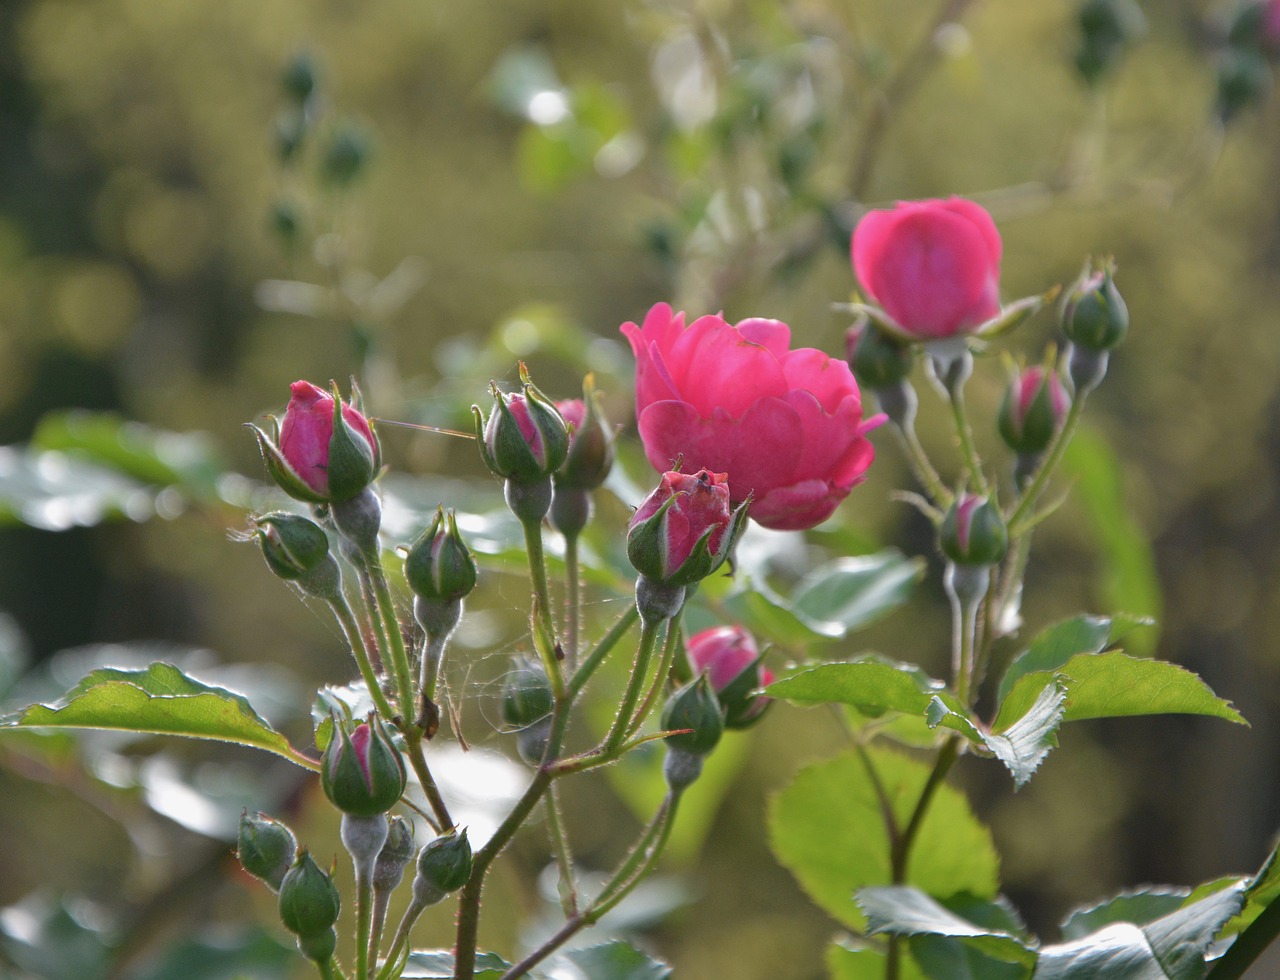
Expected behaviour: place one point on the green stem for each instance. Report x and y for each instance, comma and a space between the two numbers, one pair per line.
1051, 460
390, 630
661, 676
603, 648
567, 886
401, 939
923, 469
542, 606
637, 865
433, 648
1248, 945
639, 671
364, 921
417, 759
573, 599
964, 432
901, 853
355, 639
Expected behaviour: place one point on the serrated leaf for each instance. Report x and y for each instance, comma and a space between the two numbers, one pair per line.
437, 964
1114, 685
1138, 907
827, 828
873, 686
615, 961
1172, 947
849, 593
157, 700
1021, 745
906, 911
1057, 644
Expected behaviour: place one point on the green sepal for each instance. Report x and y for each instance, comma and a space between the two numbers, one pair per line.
694, 707
292, 545
282, 474
353, 461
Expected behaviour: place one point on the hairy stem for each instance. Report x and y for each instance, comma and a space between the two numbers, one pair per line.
542, 605
355, 639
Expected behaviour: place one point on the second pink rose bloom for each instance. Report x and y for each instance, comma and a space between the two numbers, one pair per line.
785, 425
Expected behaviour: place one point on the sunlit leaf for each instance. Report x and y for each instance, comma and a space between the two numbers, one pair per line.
873, 686
827, 827
159, 700
1054, 646
1113, 685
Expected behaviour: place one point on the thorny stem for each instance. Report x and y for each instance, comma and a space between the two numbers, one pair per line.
567, 886
660, 677
639, 671
643, 856
389, 628
542, 604
355, 639
413, 743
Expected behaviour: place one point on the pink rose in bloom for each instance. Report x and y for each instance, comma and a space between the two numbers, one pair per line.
933, 265
307, 431
785, 425
683, 531
724, 653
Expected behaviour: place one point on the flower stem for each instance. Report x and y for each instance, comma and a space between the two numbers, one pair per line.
901, 856
397, 654
1052, 458
573, 599
920, 465
649, 630
660, 677
542, 605
364, 921
567, 886
964, 432
417, 759
355, 638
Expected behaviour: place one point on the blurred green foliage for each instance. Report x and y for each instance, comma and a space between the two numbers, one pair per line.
465, 185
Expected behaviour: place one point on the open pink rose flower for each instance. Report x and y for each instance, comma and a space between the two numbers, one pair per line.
934, 266
785, 425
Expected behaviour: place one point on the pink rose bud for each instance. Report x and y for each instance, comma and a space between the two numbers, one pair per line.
973, 532
729, 658
590, 443
325, 452
1033, 410
785, 425
362, 772
685, 529
524, 439
934, 266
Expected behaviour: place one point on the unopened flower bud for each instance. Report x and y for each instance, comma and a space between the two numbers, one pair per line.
444, 865
266, 848
973, 532
1033, 410
297, 550
693, 714
439, 567
685, 529
324, 451
878, 360
396, 853
524, 439
309, 901
526, 694
362, 772
729, 658
1107, 28
1095, 316
590, 455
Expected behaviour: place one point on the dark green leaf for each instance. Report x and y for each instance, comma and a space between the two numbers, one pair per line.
849, 593
159, 700
1113, 685
873, 686
1138, 907
616, 961
827, 828
907, 911
1056, 645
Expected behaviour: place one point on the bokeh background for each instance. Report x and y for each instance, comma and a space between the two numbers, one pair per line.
474, 184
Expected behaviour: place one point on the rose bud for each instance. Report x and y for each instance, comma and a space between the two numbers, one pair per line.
685, 529
973, 532
729, 658
526, 695
693, 715
309, 902
524, 439
1095, 316
441, 572
444, 865
297, 550
362, 773
877, 359
587, 465
325, 451
266, 848
1033, 410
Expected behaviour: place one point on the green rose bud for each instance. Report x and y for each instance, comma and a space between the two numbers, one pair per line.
309, 901
362, 772
266, 848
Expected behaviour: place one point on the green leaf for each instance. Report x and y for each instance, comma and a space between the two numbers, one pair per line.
1021, 745
1171, 947
1114, 685
872, 685
615, 961
848, 593
1130, 580
437, 964
906, 911
158, 700
1138, 907
827, 828
1054, 646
